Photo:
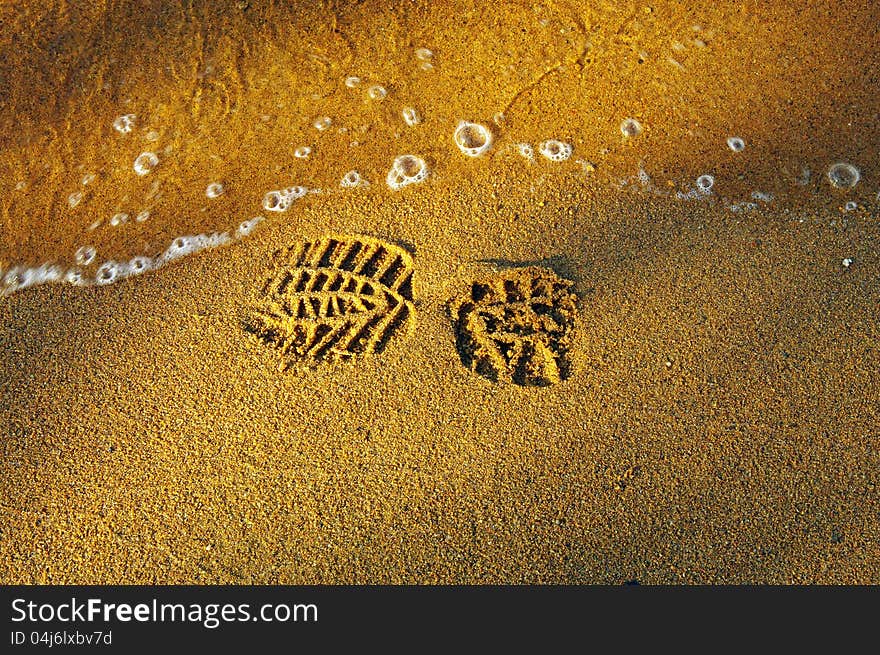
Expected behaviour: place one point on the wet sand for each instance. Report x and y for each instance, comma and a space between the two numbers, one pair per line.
719, 423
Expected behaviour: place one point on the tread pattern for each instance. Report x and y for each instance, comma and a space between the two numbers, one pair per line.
333, 298
516, 326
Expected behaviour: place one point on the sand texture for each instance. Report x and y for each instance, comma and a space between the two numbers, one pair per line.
515, 370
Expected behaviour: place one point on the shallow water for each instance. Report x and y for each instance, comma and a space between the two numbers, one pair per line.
119, 125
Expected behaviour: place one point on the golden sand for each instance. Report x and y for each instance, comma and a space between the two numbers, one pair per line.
718, 420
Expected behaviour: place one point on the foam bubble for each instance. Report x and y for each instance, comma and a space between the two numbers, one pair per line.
851, 206
139, 264
18, 278
179, 247
294, 192
377, 92
214, 190
411, 116
742, 207
302, 152
246, 227
555, 150
406, 170
187, 245
88, 178
280, 201
423, 54
736, 144
145, 162
352, 81
118, 219
75, 277
74, 199
14, 277
526, 150
142, 216
352, 179
843, 175
630, 127
472, 139
107, 273
426, 66
125, 123
275, 201
322, 123
705, 183
85, 255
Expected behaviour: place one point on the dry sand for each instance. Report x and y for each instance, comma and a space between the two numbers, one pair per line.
720, 421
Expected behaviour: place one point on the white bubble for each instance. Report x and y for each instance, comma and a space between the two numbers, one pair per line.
214, 240
85, 255
294, 192
630, 127
423, 54
406, 170
352, 81
214, 190
74, 199
51, 273
75, 277
851, 206
377, 92
125, 123
322, 123
843, 175
280, 201
119, 219
180, 247
736, 144
18, 278
426, 66
352, 179
142, 216
302, 152
145, 162
87, 178
847, 262
555, 150
526, 150
705, 183
139, 264
107, 273
14, 277
275, 201
472, 139
246, 227
411, 116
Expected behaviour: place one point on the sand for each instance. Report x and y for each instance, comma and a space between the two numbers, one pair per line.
718, 417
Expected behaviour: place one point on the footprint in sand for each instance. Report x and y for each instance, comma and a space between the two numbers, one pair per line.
333, 298
516, 326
